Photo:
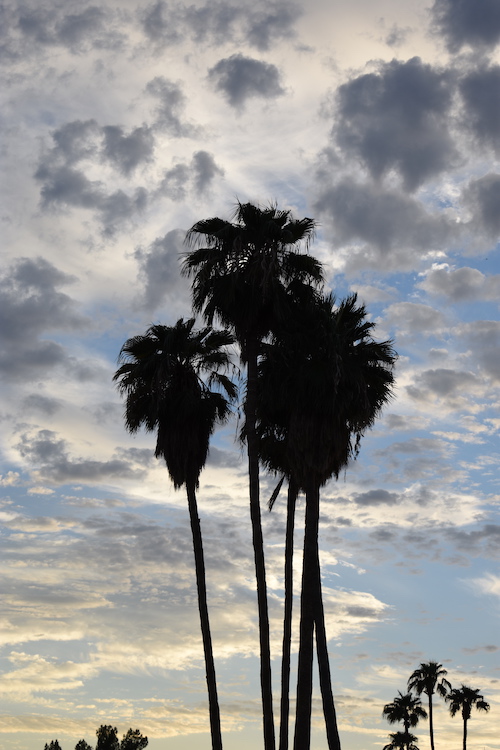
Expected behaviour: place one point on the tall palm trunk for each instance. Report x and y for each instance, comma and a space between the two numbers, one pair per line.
302, 738
287, 618
251, 353
215, 729
325, 680
465, 734
431, 722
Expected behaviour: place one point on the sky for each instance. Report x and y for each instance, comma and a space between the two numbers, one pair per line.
125, 122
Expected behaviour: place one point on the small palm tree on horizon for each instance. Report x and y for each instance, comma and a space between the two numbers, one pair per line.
167, 376
429, 678
406, 709
464, 699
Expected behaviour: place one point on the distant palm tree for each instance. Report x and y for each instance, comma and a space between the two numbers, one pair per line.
405, 709
161, 377
322, 382
430, 678
243, 271
463, 699
401, 741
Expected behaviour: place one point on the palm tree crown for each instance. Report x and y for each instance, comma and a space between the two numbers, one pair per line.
161, 377
405, 709
463, 699
429, 678
243, 269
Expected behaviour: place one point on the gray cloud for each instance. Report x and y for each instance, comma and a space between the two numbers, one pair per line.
159, 269
172, 102
376, 497
415, 318
241, 78
62, 25
50, 456
480, 91
126, 152
483, 340
42, 404
205, 170
397, 120
482, 196
461, 284
198, 175
31, 304
260, 25
444, 383
467, 22
396, 228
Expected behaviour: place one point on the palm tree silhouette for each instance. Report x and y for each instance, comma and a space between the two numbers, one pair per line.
242, 273
161, 376
463, 699
430, 678
401, 741
322, 382
406, 709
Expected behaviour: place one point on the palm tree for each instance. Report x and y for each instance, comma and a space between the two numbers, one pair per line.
161, 378
401, 741
323, 381
430, 678
243, 272
463, 699
405, 709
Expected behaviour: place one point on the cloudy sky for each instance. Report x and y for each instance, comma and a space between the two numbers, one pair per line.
123, 123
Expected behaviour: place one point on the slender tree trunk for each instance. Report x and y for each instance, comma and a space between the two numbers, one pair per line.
213, 701
287, 618
258, 546
302, 738
431, 722
465, 735
332, 732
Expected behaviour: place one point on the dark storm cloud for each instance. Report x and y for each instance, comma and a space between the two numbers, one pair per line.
461, 284
397, 228
126, 152
50, 457
241, 78
160, 269
172, 102
259, 25
376, 497
480, 91
397, 120
30, 305
467, 22
483, 340
482, 196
